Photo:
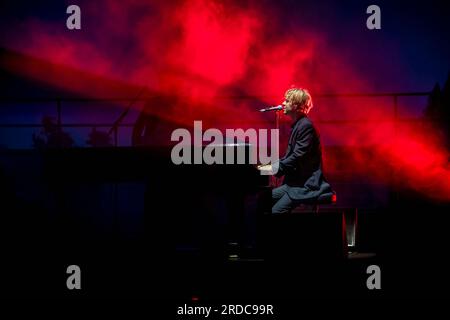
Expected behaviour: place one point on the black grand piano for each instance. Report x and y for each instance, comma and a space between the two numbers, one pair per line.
138, 192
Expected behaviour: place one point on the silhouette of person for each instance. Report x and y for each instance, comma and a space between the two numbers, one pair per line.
51, 135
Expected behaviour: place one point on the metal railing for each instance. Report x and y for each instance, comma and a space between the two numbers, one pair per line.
58, 102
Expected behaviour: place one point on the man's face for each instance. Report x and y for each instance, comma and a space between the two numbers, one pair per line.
289, 108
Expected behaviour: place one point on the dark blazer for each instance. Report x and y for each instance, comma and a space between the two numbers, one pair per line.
302, 164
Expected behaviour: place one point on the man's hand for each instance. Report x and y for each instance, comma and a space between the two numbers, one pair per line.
266, 168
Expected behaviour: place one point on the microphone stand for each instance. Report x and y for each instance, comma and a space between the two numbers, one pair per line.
274, 181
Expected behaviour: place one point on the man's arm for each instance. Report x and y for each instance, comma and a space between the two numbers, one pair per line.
303, 143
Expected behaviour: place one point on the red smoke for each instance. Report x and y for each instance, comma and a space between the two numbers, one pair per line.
202, 51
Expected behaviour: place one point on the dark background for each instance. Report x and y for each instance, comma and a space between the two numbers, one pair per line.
85, 194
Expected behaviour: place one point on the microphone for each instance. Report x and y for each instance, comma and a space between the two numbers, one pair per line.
276, 108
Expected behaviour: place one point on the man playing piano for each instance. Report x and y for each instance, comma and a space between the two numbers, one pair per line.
302, 164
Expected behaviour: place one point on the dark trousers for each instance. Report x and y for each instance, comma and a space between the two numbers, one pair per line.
281, 201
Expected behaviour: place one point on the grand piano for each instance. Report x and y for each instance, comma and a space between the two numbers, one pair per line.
186, 205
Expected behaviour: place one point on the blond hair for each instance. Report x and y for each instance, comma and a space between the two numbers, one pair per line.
300, 98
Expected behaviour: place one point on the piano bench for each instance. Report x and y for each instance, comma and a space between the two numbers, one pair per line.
313, 205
